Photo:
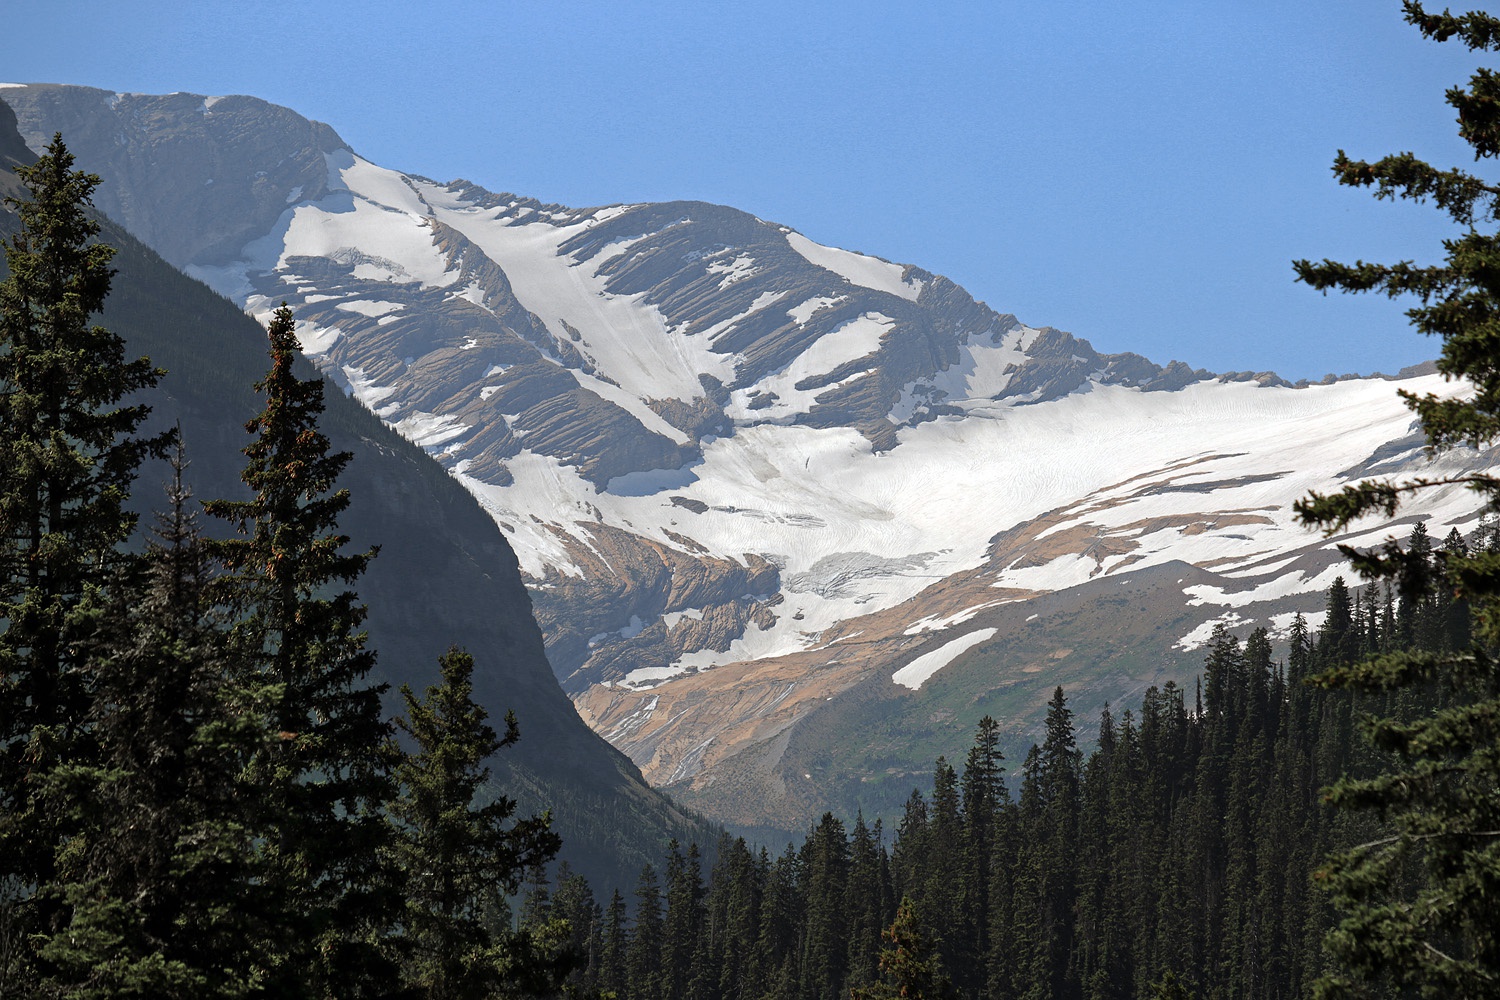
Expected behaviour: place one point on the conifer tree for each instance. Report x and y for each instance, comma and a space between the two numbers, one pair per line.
864, 902
67, 460
610, 976
574, 905
1440, 937
163, 854
643, 973
909, 965
825, 879
984, 796
684, 892
321, 784
456, 857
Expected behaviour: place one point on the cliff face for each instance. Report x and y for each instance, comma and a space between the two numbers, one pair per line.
193, 178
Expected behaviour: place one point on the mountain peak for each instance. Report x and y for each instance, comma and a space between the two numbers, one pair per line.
234, 165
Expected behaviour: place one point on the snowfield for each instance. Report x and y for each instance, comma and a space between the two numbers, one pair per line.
1124, 478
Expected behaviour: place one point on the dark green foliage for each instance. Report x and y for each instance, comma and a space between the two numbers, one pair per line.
643, 972
456, 860
155, 877
320, 784
194, 768
67, 460
909, 967
1417, 902
446, 573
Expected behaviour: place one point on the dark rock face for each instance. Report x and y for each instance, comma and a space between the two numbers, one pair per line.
13, 149
195, 178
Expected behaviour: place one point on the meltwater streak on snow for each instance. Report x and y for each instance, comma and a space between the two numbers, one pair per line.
917, 672
627, 339
871, 272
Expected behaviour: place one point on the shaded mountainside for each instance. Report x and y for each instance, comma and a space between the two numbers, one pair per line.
444, 576
788, 513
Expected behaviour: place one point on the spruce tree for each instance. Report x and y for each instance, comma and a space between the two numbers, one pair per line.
320, 786
163, 854
1440, 937
684, 916
456, 857
610, 976
643, 972
984, 797
909, 965
68, 456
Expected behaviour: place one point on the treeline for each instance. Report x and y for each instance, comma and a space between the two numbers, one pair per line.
1175, 860
200, 793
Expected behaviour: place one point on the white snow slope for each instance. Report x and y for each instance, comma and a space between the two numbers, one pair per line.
851, 527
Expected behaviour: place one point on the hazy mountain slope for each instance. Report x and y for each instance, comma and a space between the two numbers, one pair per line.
770, 496
444, 575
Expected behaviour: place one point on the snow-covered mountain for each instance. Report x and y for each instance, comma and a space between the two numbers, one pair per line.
756, 482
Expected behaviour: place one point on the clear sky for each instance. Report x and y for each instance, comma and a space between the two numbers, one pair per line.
1137, 172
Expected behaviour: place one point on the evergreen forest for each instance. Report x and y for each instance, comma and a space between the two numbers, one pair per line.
1176, 859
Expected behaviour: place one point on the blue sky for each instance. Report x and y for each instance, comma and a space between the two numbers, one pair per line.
1138, 173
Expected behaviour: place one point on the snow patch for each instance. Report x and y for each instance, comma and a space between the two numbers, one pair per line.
365, 390
429, 430
1199, 637
632, 405
645, 678
629, 631
671, 618
624, 336
734, 270
372, 309
854, 340
918, 671
805, 311
316, 339
856, 268
934, 623
1281, 625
